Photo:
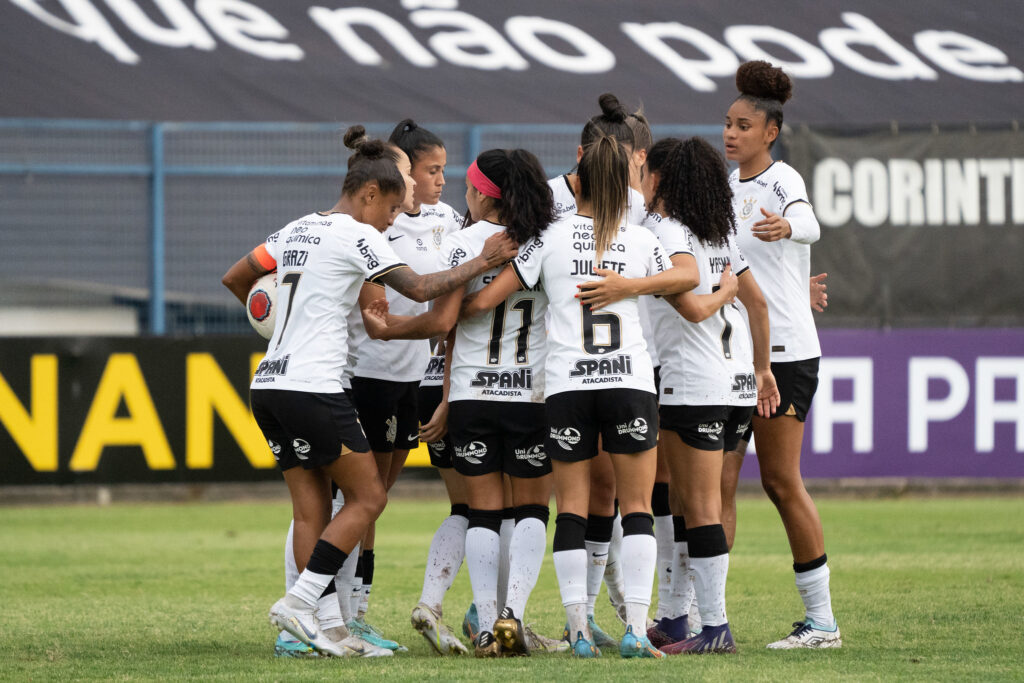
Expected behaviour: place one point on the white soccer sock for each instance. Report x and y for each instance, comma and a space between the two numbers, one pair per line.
663, 535
639, 555
343, 584
709, 582
597, 559
814, 591
526, 554
483, 552
310, 586
682, 592
447, 549
571, 570
328, 611
291, 570
613, 570
505, 539
364, 599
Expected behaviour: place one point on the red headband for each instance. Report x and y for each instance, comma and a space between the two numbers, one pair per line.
481, 182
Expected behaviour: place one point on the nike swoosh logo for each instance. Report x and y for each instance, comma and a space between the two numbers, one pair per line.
599, 555
392, 239
310, 635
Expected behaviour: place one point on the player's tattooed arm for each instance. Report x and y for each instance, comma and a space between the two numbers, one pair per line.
240, 276
497, 250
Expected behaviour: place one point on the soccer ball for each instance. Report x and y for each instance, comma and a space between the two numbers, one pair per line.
261, 305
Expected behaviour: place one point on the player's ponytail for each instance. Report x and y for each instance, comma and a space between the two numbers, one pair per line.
642, 137
766, 87
525, 205
693, 188
373, 160
413, 140
604, 185
613, 120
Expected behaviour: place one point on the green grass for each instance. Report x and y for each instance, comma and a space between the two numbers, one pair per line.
923, 589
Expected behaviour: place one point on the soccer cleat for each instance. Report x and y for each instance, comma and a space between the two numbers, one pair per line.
638, 647
535, 641
296, 617
437, 633
486, 646
354, 646
667, 631
583, 648
360, 628
510, 633
601, 639
471, 623
288, 645
711, 640
808, 635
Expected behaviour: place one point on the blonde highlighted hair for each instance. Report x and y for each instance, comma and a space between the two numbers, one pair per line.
604, 183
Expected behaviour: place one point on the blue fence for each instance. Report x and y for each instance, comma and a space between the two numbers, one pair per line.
148, 215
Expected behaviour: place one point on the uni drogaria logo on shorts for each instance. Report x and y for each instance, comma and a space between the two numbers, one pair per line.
637, 429
533, 455
438, 446
392, 425
566, 437
301, 447
275, 448
712, 430
472, 452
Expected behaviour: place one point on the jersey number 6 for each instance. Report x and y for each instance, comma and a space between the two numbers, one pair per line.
593, 320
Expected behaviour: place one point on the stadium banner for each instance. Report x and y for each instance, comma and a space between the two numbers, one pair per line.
529, 61
921, 403
919, 228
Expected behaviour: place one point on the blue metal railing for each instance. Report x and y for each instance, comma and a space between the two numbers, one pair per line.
156, 169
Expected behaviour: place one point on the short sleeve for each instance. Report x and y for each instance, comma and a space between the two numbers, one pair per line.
453, 252
374, 256
674, 238
658, 260
527, 265
789, 189
736, 259
272, 248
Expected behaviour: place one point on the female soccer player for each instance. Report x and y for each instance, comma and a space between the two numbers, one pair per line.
322, 260
776, 227
598, 381
708, 387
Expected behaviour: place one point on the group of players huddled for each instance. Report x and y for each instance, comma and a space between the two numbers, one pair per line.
583, 335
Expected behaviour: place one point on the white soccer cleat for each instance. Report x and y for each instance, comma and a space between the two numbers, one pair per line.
440, 637
808, 635
296, 617
538, 643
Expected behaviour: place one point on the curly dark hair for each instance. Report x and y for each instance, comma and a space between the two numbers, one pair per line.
526, 206
413, 140
766, 87
693, 188
373, 161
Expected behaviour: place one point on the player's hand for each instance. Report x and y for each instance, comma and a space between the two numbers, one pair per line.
375, 318
499, 249
819, 299
602, 293
435, 430
767, 393
729, 284
773, 228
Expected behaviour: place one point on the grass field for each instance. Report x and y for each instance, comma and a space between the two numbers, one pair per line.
927, 589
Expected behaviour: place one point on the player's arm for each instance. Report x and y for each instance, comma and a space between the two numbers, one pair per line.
696, 308
247, 270
681, 277
438, 425
819, 297
498, 249
496, 291
757, 316
797, 223
434, 323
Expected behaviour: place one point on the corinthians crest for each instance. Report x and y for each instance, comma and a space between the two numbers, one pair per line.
748, 207
438, 233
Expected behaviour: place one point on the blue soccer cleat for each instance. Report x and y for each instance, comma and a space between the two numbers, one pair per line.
638, 647
288, 645
583, 648
471, 623
711, 640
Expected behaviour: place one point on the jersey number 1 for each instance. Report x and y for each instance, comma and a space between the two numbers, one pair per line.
525, 308
726, 331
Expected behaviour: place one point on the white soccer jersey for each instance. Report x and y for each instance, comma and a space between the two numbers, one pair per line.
498, 356
709, 363
783, 268
322, 261
433, 376
657, 308
417, 241
565, 201
587, 349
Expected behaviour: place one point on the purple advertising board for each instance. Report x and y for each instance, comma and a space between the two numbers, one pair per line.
916, 403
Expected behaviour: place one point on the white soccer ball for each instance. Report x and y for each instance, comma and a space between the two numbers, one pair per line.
261, 305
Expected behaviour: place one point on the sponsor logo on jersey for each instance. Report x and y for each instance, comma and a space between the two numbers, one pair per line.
472, 452
392, 238
372, 261
533, 455
269, 369
605, 367
275, 448
435, 366
713, 430
392, 424
749, 204
302, 239
744, 385
302, 448
780, 192
526, 252
566, 437
636, 428
507, 379
456, 256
